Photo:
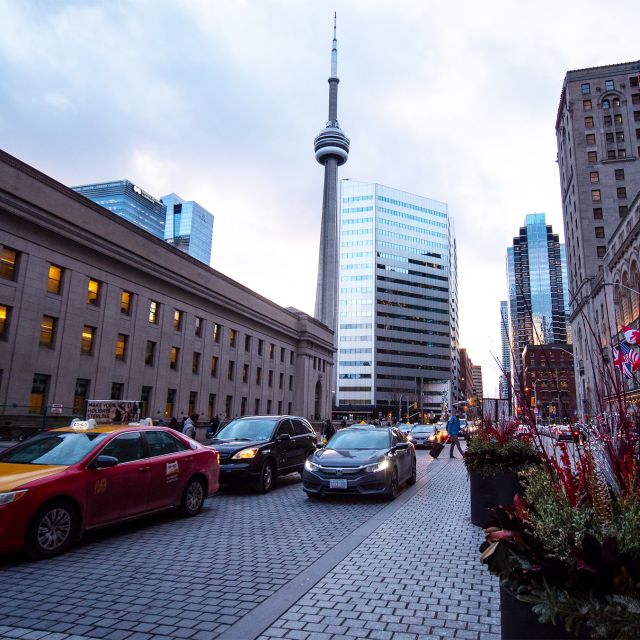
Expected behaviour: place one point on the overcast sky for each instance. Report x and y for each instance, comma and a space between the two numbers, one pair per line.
219, 101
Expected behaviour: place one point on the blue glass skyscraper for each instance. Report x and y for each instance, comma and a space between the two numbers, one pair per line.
537, 287
128, 201
189, 227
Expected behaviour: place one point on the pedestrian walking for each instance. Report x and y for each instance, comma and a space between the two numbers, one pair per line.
343, 423
189, 427
453, 429
214, 426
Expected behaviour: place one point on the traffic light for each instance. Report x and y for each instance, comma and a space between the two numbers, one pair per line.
415, 404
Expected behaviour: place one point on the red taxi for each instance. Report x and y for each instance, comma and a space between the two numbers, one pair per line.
60, 483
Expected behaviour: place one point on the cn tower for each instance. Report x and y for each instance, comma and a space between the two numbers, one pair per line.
332, 150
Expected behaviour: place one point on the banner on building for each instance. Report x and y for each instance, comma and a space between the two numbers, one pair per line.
114, 411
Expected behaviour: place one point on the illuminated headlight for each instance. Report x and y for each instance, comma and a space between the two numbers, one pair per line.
432, 438
245, 454
311, 466
11, 496
378, 466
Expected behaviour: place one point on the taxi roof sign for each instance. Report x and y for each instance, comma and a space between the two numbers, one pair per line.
83, 425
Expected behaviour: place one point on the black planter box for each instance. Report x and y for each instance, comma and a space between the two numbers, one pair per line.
488, 492
519, 622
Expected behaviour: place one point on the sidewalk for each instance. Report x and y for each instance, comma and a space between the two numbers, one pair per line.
416, 576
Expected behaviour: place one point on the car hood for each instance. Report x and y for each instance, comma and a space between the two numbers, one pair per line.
230, 446
347, 457
13, 476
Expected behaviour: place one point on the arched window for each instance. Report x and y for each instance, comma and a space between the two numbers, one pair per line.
627, 317
616, 102
606, 104
635, 297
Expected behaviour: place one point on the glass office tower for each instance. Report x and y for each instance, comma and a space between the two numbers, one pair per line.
397, 302
538, 313
128, 201
189, 227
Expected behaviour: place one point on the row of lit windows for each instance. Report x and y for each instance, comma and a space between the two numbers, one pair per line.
596, 194
357, 220
357, 210
357, 254
358, 232
8, 266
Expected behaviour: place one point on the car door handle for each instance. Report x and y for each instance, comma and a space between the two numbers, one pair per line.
143, 469
190, 458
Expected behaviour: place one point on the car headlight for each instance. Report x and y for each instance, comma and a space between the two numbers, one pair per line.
245, 454
11, 496
378, 466
311, 466
432, 438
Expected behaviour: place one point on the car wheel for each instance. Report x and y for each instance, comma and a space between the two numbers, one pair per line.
414, 474
52, 529
394, 486
192, 498
267, 475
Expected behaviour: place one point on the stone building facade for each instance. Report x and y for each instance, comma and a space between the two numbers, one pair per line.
93, 307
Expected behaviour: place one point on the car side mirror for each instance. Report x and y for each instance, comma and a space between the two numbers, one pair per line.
283, 437
401, 445
319, 445
103, 462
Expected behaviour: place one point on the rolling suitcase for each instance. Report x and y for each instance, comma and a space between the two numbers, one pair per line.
436, 450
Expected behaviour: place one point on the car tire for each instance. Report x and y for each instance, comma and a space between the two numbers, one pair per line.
394, 485
192, 498
265, 481
52, 529
413, 478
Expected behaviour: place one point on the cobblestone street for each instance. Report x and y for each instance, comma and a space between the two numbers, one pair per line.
275, 565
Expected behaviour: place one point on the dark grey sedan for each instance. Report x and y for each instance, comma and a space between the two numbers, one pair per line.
361, 460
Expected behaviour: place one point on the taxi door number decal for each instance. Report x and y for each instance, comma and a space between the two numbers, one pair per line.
173, 469
100, 486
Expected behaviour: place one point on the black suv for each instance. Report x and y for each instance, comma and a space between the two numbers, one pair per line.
259, 448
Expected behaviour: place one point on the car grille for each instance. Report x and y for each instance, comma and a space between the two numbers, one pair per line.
343, 472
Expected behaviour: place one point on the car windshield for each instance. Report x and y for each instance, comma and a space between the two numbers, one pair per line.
260, 429
63, 448
353, 439
423, 428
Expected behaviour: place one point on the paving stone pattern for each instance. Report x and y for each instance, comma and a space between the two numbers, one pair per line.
168, 577
417, 576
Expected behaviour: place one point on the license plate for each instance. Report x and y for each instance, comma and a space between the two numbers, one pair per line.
337, 484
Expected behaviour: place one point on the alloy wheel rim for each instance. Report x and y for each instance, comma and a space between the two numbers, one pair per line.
194, 496
267, 475
54, 529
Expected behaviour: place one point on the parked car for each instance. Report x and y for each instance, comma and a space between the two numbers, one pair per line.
361, 461
259, 448
423, 435
62, 482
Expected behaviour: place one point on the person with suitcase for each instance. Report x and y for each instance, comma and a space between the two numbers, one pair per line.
453, 429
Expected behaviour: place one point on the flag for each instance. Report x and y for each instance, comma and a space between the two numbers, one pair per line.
630, 356
632, 336
618, 358
626, 370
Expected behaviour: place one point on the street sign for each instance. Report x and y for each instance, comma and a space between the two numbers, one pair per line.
56, 410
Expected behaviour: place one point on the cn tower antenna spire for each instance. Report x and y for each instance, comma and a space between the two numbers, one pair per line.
334, 50
332, 150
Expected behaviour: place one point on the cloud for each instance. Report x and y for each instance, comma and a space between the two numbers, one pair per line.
220, 102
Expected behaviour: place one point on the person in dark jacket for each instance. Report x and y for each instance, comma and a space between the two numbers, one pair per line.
328, 429
453, 429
